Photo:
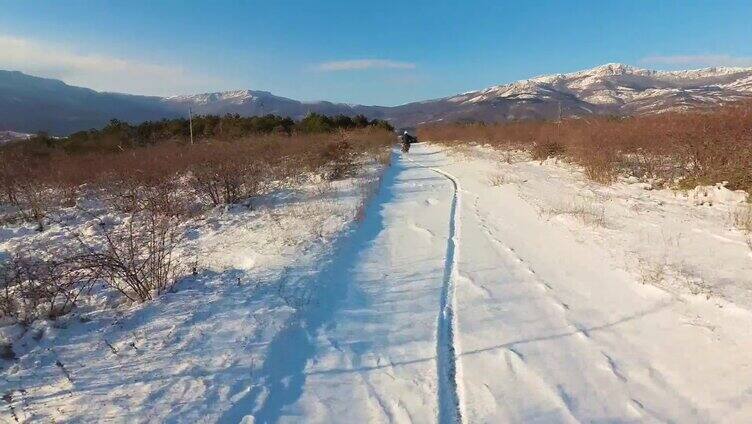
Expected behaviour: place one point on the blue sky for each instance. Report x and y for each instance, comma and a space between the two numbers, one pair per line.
375, 52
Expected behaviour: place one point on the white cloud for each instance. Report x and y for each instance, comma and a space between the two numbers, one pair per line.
99, 72
361, 64
702, 60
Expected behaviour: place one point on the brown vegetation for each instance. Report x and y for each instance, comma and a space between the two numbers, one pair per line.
31, 287
153, 189
218, 171
684, 148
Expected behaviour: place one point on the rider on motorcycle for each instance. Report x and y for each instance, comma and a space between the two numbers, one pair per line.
407, 140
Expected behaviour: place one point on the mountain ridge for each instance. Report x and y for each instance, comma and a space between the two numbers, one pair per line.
30, 104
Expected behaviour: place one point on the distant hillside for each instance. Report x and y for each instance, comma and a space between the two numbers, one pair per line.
31, 104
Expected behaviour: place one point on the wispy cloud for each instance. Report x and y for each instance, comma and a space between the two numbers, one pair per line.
702, 60
100, 72
362, 64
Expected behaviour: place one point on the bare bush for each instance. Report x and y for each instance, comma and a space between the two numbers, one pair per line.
148, 188
695, 148
341, 159
220, 171
496, 179
34, 201
229, 175
741, 218
137, 258
32, 288
653, 273
547, 149
26, 188
585, 209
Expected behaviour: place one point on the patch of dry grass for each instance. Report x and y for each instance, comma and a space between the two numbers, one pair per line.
741, 218
497, 179
586, 210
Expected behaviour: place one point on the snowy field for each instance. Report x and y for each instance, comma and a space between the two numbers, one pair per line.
478, 286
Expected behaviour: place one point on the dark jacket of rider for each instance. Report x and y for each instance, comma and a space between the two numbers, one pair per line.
407, 138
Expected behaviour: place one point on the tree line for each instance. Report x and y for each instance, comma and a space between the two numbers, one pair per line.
119, 135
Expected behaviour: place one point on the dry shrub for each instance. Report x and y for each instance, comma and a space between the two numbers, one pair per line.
137, 258
226, 173
652, 272
220, 171
26, 186
705, 147
741, 218
34, 201
341, 158
148, 187
547, 149
602, 165
496, 179
31, 287
587, 210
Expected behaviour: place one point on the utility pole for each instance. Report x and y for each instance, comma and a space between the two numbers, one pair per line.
190, 122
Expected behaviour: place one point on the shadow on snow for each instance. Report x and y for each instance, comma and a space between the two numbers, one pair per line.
283, 375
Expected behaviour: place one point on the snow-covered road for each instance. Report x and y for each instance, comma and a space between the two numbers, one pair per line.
456, 301
366, 348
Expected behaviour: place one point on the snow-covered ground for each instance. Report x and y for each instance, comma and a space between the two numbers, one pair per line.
579, 302
189, 355
479, 286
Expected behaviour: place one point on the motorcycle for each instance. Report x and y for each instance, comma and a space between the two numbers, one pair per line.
407, 140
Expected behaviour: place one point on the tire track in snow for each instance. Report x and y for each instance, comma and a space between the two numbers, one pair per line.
450, 408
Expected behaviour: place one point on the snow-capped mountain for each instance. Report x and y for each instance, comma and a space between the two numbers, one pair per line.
8, 136
251, 102
235, 97
612, 89
624, 86
31, 104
